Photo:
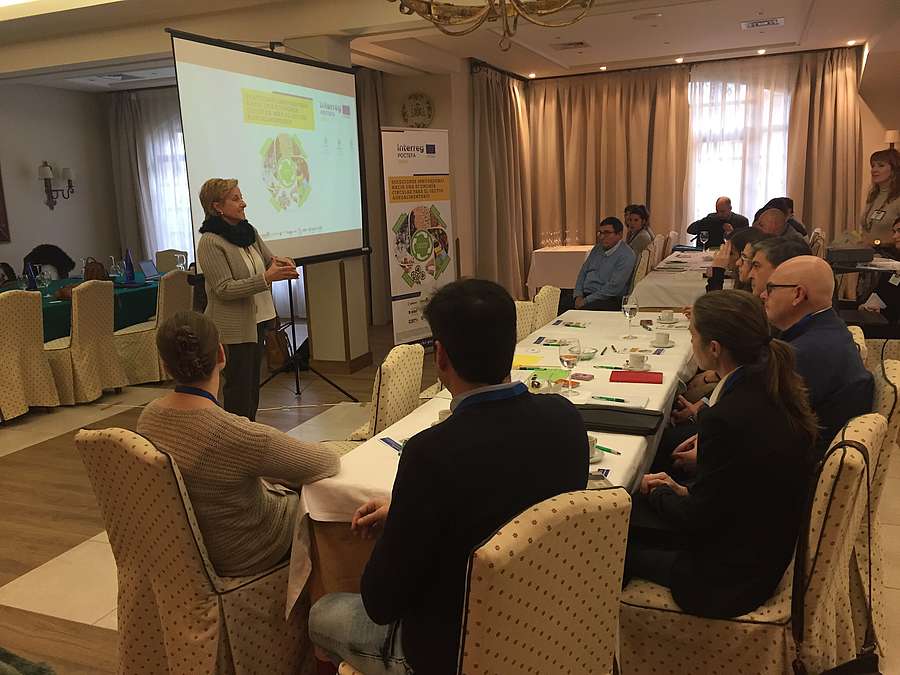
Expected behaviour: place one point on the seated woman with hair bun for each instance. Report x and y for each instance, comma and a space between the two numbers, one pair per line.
247, 524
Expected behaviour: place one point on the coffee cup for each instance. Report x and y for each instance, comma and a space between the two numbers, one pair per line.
667, 315
637, 361
661, 339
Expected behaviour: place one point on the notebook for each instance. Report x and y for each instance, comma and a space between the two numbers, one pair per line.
636, 376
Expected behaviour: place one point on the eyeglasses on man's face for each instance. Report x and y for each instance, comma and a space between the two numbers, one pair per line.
770, 287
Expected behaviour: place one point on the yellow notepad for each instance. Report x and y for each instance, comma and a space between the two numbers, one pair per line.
525, 360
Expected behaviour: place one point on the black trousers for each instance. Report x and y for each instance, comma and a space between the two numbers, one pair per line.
240, 393
653, 547
606, 305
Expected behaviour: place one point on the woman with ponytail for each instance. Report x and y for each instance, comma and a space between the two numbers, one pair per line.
247, 523
723, 543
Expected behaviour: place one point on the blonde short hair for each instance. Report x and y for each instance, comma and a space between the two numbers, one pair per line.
214, 190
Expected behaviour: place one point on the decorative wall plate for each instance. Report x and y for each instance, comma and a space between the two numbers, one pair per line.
418, 110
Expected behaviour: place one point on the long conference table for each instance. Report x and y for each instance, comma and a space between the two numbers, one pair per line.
677, 281
368, 471
131, 305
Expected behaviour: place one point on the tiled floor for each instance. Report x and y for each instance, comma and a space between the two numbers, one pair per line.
57, 573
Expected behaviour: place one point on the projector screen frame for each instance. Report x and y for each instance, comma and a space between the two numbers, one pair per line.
365, 249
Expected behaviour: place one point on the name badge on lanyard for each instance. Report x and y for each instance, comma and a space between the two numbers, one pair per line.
877, 216
895, 279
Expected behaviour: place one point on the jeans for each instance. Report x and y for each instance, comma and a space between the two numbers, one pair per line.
338, 623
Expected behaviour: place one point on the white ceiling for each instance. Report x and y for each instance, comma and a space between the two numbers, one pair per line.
619, 34
627, 34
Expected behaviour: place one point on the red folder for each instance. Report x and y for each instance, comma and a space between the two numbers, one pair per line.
636, 376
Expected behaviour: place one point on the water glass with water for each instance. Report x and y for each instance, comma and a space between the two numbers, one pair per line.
630, 310
569, 353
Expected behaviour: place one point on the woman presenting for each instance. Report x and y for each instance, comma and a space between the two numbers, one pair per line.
239, 270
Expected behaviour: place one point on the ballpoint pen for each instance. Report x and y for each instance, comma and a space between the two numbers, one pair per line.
610, 367
609, 398
603, 448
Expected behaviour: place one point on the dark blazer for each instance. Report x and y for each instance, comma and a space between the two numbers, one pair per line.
840, 387
457, 482
714, 225
741, 518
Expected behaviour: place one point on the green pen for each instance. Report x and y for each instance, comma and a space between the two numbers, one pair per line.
609, 398
603, 448
610, 367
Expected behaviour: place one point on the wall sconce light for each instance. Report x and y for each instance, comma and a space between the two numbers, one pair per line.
45, 173
892, 136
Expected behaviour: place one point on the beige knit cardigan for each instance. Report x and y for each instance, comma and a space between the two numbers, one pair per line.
230, 289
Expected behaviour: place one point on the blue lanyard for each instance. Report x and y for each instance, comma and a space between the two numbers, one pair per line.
195, 391
496, 395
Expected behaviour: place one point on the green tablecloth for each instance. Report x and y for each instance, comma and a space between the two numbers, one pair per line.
131, 306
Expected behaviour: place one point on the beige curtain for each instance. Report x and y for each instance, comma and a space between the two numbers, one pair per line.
825, 142
370, 98
502, 180
600, 142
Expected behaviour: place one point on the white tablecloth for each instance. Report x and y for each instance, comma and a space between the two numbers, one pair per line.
556, 266
368, 471
676, 282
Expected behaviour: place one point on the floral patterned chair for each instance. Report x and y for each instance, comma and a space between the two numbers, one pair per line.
25, 376
86, 362
176, 615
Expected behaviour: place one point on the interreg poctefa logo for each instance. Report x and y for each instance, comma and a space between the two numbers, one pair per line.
405, 151
333, 110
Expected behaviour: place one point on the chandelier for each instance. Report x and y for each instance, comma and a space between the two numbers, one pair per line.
453, 19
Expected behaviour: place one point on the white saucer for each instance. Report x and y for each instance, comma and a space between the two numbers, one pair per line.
644, 368
656, 346
668, 323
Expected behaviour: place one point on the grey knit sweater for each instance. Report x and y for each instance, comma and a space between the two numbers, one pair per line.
230, 288
247, 525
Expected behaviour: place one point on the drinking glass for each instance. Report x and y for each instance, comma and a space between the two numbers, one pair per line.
704, 237
630, 310
180, 262
42, 278
569, 353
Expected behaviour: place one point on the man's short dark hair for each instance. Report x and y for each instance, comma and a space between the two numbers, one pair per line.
617, 224
475, 321
778, 249
746, 235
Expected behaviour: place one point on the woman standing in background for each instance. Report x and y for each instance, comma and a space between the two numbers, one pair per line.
883, 201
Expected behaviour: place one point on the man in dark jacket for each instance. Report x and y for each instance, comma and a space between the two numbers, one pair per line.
720, 224
798, 299
501, 451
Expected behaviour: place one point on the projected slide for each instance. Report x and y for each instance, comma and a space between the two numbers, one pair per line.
287, 132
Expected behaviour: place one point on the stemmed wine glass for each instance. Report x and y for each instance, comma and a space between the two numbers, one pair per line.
42, 278
569, 353
630, 310
704, 237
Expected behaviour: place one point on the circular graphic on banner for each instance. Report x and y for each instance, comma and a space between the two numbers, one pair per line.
285, 171
421, 244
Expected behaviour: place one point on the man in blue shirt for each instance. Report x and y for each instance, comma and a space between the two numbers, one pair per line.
606, 273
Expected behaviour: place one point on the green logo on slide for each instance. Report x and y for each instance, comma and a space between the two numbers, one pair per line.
285, 171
